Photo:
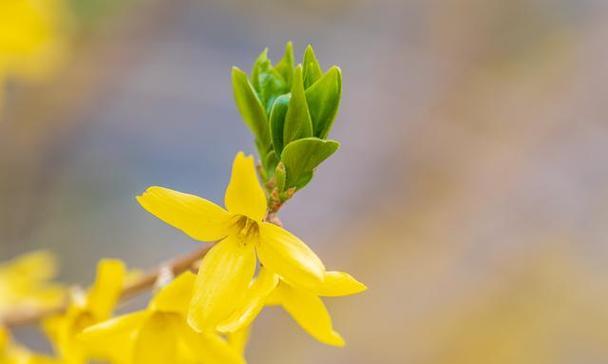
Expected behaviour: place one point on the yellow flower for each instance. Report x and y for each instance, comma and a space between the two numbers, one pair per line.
159, 333
12, 353
25, 286
96, 306
238, 339
227, 269
305, 307
31, 41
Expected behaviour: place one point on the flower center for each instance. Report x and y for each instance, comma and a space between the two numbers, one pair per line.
247, 229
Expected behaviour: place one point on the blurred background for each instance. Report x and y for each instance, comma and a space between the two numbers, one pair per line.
470, 193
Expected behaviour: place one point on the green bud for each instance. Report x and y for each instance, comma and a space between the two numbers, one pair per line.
277, 122
280, 176
267, 81
290, 110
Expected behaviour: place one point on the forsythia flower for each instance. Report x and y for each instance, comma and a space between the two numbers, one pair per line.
31, 42
24, 283
238, 339
11, 353
226, 271
85, 311
159, 333
305, 307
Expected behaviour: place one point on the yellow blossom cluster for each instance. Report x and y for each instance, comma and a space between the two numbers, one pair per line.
25, 284
202, 318
32, 38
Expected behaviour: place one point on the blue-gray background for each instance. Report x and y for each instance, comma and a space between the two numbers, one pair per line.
470, 193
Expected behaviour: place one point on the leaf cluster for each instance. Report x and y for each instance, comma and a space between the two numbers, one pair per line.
290, 109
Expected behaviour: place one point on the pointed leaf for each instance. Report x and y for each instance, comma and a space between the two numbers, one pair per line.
267, 81
277, 122
297, 120
302, 156
270, 163
287, 64
250, 107
312, 70
323, 99
257, 69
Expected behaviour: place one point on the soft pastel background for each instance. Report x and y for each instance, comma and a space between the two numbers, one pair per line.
470, 193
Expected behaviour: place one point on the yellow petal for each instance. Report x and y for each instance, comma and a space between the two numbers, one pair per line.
274, 298
113, 339
222, 280
310, 313
106, 290
253, 302
238, 339
198, 218
244, 195
339, 284
176, 296
37, 265
4, 339
156, 342
288, 256
208, 347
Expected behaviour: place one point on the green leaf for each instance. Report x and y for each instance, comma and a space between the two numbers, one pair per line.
260, 63
312, 69
323, 99
251, 108
270, 163
286, 65
302, 156
302, 180
277, 121
267, 81
297, 121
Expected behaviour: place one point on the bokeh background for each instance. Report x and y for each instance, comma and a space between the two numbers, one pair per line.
470, 193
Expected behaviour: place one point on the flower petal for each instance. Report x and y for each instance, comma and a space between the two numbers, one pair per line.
106, 290
253, 302
244, 195
39, 265
223, 277
112, 339
288, 256
310, 313
208, 347
339, 284
156, 341
238, 339
175, 297
198, 218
